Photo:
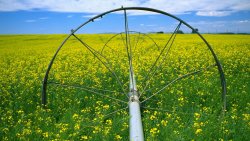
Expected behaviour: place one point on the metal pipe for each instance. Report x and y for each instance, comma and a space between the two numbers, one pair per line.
135, 123
132, 82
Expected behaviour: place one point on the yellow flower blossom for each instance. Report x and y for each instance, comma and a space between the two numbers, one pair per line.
105, 107
152, 117
77, 126
75, 116
46, 134
154, 131
109, 122
118, 137
246, 117
84, 137
164, 122
198, 131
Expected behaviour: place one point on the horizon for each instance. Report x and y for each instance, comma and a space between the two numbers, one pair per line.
222, 33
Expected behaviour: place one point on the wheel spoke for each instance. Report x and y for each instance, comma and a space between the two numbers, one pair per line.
105, 116
107, 64
88, 90
108, 42
124, 42
177, 79
137, 41
150, 75
129, 51
111, 113
163, 110
142, 38
91, 88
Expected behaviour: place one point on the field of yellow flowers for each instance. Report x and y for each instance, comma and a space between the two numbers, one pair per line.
87, 98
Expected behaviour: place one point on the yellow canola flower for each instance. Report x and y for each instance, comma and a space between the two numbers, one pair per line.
46, 134
196, 125
109, 122
77, 126
26, 131
246, 117
198, 131
105, 107
164, 122
84, 137
106, 130
38, 131
97, 129
20, 112
118, 137
146, 111
154, 131
75, 116
197, 116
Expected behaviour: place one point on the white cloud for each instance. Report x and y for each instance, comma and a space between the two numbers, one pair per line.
43, 18
202, 8
69, 16
216, 23
151, 25
244, 21
148, 25
30, 21
36, 20
222, 26
89, 16
213, 13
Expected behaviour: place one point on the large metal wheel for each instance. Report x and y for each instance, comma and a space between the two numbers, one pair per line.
132, 67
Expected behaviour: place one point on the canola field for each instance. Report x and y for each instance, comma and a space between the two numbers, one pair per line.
88, 94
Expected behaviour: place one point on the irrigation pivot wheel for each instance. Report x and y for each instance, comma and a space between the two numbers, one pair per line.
133, 70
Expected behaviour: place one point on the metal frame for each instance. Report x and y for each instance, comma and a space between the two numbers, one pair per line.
136, 131
131, 32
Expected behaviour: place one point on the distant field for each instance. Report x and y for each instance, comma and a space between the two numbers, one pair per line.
189, 109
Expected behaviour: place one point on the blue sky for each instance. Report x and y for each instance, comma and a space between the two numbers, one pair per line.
60, 16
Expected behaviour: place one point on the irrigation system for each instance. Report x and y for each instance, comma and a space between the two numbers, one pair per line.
133, 93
